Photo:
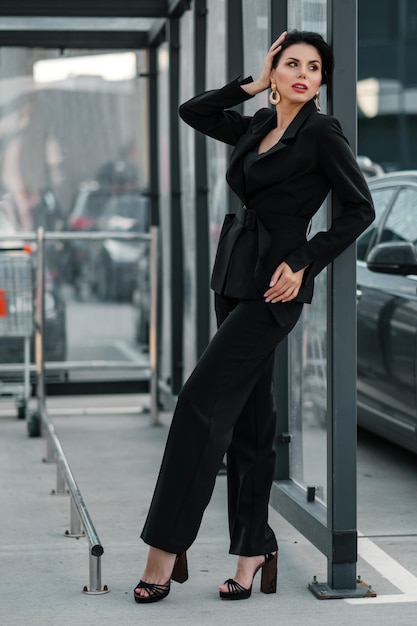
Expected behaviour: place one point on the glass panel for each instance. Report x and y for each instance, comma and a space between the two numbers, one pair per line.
255, 46
308, 380
216, 151
74, 151
188, 195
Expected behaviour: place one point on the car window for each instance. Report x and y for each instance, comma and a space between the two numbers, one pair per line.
401, 223
382, 199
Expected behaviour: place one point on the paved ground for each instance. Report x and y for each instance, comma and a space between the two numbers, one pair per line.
114, 453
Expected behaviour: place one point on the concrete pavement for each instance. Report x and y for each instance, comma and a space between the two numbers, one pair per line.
114, 453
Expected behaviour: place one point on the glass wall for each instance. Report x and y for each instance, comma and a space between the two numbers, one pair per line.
308, 386
74, 145
255, 45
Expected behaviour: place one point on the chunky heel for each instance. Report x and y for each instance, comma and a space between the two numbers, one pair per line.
156, 592
180, 571
269, 567
269, 574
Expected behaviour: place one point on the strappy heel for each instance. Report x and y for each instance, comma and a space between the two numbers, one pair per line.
157, 592
268, 580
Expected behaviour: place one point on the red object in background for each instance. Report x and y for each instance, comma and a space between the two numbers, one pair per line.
82, 223
3, 303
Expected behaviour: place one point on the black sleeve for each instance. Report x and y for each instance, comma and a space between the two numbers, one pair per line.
339, 164
206, 112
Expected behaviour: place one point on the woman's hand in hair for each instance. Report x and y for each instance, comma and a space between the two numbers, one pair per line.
264, 81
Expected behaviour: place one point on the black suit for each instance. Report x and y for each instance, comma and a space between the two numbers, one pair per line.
226, 403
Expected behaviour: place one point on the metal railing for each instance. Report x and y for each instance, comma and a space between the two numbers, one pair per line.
54, 448
81, 523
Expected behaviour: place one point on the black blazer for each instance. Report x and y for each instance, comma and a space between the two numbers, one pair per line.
281, 190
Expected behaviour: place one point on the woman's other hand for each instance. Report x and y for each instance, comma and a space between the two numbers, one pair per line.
264, 80
285, 284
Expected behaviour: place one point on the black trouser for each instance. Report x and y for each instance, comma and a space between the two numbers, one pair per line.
225, 405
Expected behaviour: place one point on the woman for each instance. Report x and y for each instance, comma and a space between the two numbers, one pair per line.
285, 161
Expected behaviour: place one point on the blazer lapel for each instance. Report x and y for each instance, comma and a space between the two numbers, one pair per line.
258, 130
293, 128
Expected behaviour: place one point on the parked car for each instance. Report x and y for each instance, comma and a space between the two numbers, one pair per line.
115, 262
387, 312
86, 209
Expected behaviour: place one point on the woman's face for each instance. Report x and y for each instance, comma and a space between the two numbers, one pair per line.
298, 74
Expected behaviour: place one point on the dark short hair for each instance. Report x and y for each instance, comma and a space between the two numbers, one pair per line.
312, 39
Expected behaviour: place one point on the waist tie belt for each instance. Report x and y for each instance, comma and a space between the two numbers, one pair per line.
250, 220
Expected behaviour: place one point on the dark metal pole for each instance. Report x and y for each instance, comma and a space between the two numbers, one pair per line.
176, 252
234, 63
153, 135
341, 324
201, 186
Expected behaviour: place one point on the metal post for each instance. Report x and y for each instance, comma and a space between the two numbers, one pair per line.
341, 302
26, 372
153, 135
202, 258
95, 587
60, 483
50, 457
40, 317
153, 325
75, 528
235, 66
176, 251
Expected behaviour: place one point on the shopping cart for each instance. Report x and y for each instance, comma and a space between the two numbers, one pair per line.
16, 322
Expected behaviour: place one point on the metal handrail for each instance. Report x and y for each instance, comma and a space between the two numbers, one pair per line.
53, 366
54, 448
93, 540
68, 235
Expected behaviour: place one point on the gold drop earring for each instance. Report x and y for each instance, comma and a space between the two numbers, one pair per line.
317, 101
274, 96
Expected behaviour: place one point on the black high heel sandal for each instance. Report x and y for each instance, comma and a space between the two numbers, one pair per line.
268, 580
159, 592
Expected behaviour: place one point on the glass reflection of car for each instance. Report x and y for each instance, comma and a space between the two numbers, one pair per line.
387, 312
369, 168
87, 208
115, 261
